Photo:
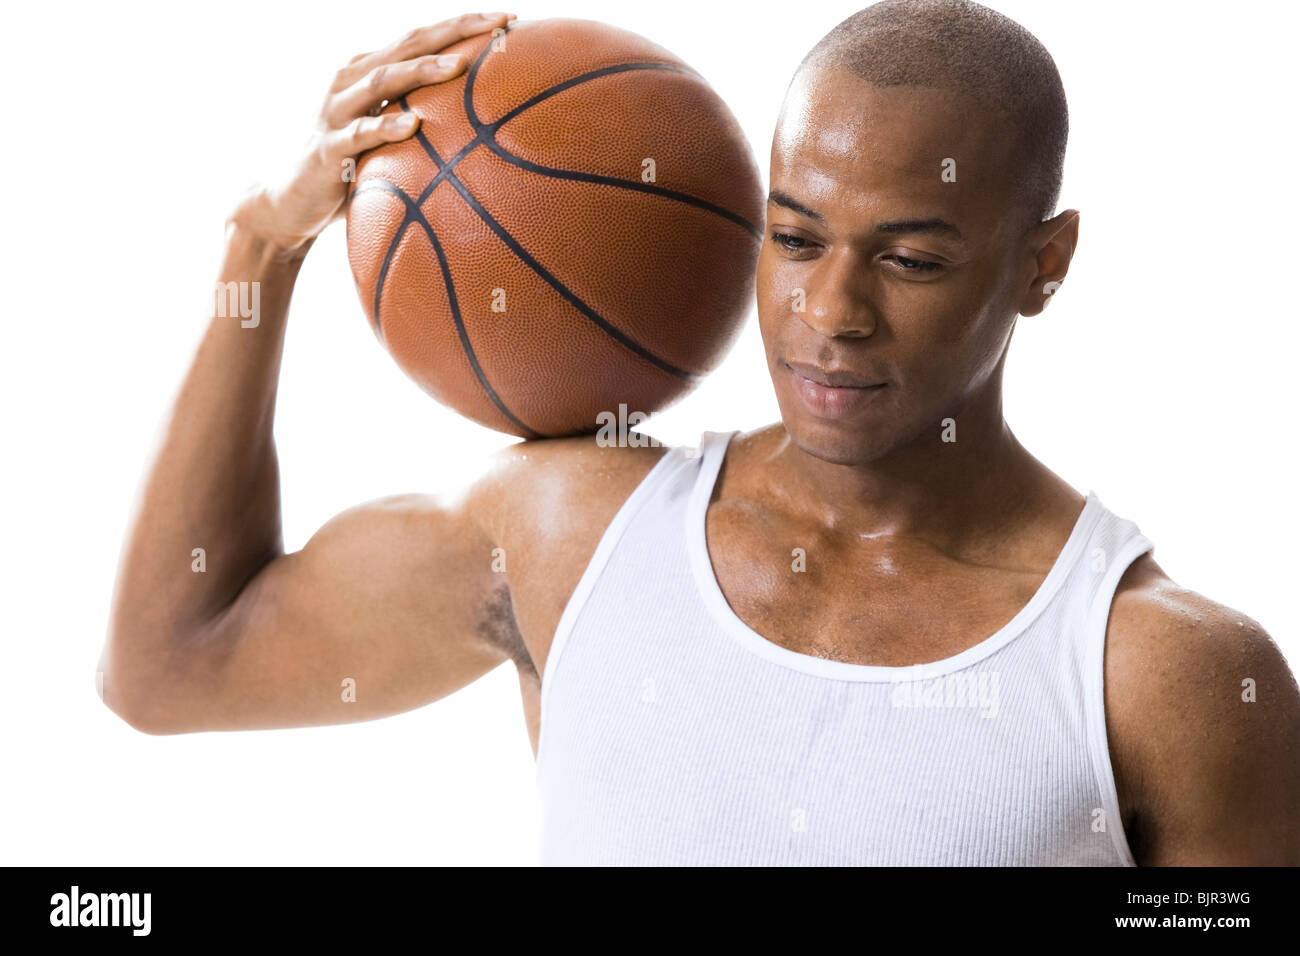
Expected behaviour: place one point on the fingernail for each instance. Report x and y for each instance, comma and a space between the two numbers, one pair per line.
448, 59
404, 120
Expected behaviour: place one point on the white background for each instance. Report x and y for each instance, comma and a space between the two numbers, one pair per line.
1160, 377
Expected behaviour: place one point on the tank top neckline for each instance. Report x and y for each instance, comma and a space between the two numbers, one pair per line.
712, 451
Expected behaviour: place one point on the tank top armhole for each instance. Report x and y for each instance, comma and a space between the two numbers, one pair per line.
1094, 691
600, 557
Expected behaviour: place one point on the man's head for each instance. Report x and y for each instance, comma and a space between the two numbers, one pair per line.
918, 153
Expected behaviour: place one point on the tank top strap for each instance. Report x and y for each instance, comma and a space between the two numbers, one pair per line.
1114, 544
711, 452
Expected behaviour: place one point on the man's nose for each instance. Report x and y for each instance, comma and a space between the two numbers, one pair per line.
839, 304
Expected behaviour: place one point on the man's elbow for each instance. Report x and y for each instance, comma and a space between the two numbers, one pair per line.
134, 708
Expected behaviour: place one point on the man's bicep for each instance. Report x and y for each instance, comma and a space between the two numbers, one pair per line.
379, 613
1206, 719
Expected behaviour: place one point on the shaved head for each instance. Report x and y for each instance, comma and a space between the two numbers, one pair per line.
969, 49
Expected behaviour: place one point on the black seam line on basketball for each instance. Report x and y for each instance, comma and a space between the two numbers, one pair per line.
429, 150
486, 133
483, 133
503, 234
406, 221
581, 78
383, 185
690, 200
413, 211
528, 260
371, 185
472, 75
513, 244
414, 215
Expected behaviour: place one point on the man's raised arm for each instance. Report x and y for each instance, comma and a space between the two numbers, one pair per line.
213, 627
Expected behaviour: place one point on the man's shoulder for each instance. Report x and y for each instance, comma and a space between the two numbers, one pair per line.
545, 505
531, 482
1185, 649
1203, 716
554, 489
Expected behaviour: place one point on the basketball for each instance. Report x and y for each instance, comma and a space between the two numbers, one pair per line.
575, 227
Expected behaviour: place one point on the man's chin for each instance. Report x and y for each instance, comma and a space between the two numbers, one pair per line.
839, 441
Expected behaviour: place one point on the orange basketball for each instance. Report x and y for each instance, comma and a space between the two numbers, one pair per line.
575, 226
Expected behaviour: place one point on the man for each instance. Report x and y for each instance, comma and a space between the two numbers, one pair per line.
879, 631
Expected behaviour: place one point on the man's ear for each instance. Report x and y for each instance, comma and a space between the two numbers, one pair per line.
1051, 247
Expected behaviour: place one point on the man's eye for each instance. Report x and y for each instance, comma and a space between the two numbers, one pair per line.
915, 265
787, 241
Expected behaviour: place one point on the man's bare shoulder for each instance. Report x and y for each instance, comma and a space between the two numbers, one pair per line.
1203, 717
544, 505
552, 488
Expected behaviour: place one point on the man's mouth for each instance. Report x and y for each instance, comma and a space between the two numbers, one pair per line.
832, 392
832, 377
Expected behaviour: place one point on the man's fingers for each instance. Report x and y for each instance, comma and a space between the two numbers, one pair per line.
388, 81
442, 35
419, 42
366, 133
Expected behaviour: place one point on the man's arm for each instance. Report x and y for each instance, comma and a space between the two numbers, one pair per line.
1203, 717
213, 626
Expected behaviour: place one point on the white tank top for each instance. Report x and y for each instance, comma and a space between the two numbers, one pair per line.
674, 734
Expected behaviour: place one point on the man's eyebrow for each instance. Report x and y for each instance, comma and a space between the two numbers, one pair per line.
938, 227
789, 202
894, 227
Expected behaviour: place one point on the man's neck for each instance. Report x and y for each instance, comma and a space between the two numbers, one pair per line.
944, 491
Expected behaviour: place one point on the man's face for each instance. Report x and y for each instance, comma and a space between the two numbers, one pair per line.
908, 283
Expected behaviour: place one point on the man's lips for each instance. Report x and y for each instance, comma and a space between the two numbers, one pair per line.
832, 378
824, 397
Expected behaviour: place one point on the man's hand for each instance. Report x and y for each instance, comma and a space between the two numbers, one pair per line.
291, 215
213, 626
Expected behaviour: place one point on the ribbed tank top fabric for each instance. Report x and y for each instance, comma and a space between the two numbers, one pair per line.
673, 734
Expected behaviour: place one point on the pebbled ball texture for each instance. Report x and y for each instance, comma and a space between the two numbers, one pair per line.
514, 259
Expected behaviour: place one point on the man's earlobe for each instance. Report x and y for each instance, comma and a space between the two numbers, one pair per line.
1038, 295
1059, 236
1049, 289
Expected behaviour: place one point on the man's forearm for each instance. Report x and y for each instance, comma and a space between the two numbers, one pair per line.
209, 513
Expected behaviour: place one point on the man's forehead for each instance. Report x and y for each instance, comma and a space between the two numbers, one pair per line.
835, 121
839, 137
